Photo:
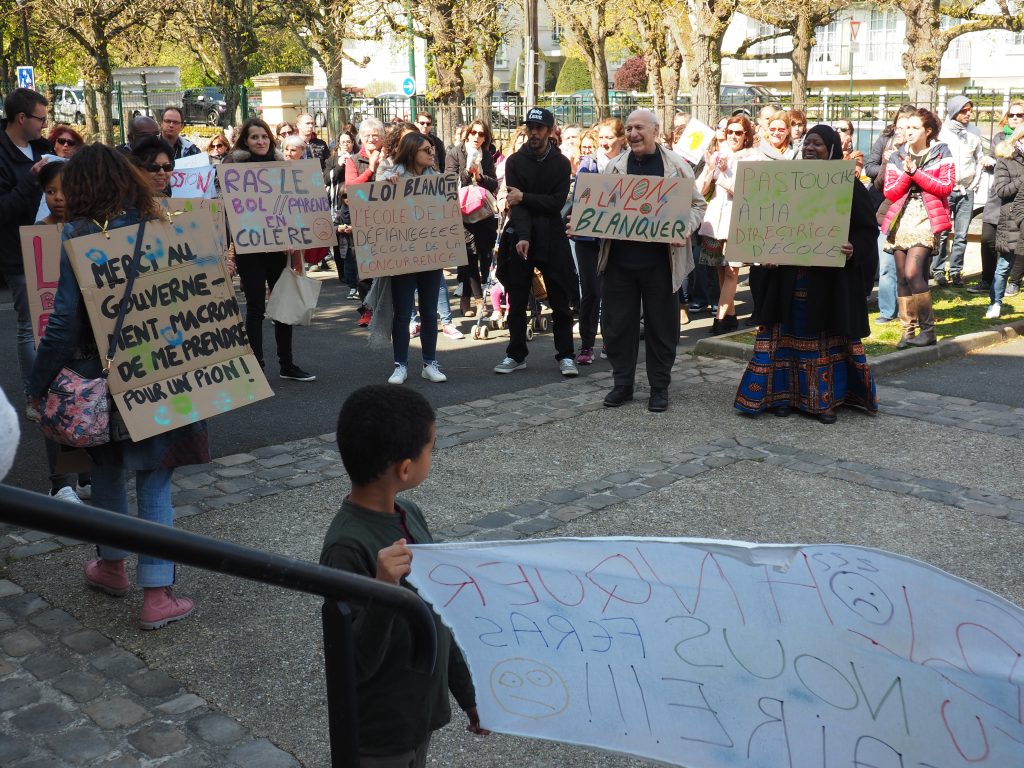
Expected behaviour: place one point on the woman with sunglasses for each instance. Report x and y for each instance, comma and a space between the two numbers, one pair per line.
218, 148
797, 130
284, 130
845, 130
717, 180
65, 140
259, 271
474, 164
155, 157
778, 146
808, 353
414, 156
1012, 120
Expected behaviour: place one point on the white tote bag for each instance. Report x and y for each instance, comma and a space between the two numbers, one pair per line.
293, 299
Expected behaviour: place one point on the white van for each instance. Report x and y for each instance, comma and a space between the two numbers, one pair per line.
69, 106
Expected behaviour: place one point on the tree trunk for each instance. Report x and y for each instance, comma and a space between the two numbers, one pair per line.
235, 72
483, 85
656, 85
803, 40
337, 112
673, 65
599, 79
706, 75
922, 61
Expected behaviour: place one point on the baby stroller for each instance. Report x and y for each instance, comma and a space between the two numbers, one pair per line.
494, 318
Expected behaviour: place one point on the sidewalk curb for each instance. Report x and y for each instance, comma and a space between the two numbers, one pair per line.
723, 346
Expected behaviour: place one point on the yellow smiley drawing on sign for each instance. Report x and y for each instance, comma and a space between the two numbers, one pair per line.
696, 139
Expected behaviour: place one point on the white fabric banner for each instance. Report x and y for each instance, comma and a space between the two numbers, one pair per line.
193, 177
717, 653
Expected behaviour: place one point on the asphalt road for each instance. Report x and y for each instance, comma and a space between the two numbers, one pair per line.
335, 349
992, 374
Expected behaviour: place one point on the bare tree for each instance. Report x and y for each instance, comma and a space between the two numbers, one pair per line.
662, 58
927, 41
797, 23
699, 27
590, 24
95, 26
491, 23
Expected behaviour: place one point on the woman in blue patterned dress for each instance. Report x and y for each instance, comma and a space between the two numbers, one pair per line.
808, 353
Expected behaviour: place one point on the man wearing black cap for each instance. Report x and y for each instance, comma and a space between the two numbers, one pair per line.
537, 177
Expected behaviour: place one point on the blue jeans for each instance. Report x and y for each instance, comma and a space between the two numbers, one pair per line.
153, 490
444, 305
403, 297
998, 288
961, 209
26, 343
886, 280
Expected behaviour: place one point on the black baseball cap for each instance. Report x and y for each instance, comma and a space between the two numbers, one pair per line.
540, 116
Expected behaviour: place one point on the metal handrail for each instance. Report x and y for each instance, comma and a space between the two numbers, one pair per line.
78, 521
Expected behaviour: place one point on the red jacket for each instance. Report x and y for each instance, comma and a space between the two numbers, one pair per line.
935, 179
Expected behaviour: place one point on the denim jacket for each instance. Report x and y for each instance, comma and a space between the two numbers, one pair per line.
69, 336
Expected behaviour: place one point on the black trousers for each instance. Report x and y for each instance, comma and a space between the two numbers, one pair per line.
479, 249
988, 252
625, 291
257, 272
518, 284
590, 291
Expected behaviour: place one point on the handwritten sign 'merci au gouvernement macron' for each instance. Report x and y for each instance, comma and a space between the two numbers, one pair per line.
412, 224
791, 212
183, 353
276, 206
723, 654
650, 209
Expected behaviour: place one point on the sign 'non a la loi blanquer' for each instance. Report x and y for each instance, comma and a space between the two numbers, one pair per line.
794, 212
276, 206
719, 654
183, 353
412, 224
651, 209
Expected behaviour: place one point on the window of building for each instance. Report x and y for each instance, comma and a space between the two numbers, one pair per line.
828, 48
501, 56
556, 31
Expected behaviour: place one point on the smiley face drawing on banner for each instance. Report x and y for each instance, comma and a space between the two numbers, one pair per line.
695, 139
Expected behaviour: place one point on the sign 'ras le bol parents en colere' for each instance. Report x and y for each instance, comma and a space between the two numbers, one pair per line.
183, 354
276, 206
412, 224
723, 654
648, 209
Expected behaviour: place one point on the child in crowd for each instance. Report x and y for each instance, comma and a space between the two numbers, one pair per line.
49, 180
386, 435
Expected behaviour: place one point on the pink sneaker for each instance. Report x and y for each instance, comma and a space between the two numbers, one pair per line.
452, 332
586, 356
160, 607
108, 576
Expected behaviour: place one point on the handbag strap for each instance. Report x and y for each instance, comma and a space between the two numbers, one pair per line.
123, 308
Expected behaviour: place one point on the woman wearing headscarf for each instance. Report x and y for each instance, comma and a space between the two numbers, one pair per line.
808, 353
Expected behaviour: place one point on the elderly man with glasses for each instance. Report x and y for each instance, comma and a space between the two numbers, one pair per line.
22, 147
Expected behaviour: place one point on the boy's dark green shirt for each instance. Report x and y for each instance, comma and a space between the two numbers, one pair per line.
398, 707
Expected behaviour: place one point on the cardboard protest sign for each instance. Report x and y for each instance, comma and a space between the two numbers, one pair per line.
276, 206
791, 212
648, 209
40, 255
193, 177
412, 225
215, 208
695, 139
183, 353
714, 653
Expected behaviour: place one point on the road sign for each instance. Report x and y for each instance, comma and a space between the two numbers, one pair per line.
409, 86
854, 29
27, 77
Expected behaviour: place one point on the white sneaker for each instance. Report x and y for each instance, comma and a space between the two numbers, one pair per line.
432, 372
994, 311
84, 492
399, 376
67, 493
568, 367
452, 332
508, 365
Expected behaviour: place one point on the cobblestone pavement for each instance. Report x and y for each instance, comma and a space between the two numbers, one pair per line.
70, 696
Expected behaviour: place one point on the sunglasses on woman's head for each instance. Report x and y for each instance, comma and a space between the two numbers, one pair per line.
64, 142
156, 167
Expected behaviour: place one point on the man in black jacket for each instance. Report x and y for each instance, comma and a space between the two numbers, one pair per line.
426, 125
537, 177
21, 150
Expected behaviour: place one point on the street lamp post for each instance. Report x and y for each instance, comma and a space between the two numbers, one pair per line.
530, 39
23, 9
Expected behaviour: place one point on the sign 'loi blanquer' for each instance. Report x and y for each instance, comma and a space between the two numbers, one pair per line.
183, 353
650, 209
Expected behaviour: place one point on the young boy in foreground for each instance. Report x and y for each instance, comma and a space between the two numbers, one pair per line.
386, 435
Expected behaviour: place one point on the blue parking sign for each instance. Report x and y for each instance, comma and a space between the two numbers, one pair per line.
27, 77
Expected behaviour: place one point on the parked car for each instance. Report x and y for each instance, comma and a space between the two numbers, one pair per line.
579, 107
205, 106
69, 105
745, 96
316, 105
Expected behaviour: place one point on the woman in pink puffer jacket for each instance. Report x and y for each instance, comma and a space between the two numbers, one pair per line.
918, 181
